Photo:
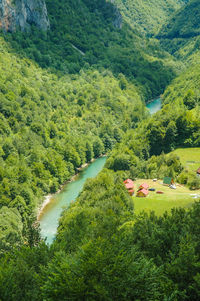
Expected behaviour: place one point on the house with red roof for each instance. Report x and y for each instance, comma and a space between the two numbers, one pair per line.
143, 186
129, 186
198, 172
142, 193
128, 181
131, 191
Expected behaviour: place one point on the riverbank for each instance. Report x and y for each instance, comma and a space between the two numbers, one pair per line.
154, 106
50, 215
48, 198
154, 99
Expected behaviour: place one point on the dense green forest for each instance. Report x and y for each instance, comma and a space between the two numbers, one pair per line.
83, 35
180, 34
76, 92
103, 252
50, 126
184, 23
142, 152
148, 16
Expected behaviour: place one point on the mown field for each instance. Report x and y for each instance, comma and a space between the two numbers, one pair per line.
179, 197
190, 157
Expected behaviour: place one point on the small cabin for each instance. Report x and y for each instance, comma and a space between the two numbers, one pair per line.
128, 181
168, 181
131, 192
198, 172
143, 186
142, 193
129, 186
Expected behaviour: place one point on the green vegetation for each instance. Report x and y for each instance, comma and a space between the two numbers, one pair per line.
103, 252
75, 93
189, 157
88, 27
148, 16
184, 23
160, 203
52, 125
180, 34
176, 125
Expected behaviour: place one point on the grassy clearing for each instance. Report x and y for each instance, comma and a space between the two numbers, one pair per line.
180, 197
190, 157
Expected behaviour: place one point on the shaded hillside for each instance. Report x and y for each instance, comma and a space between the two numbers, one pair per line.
84, 34
184, 24
148, 16
180, 35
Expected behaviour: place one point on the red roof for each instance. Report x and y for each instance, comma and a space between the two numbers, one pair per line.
129, 186
144, 185
128, 181
144, 191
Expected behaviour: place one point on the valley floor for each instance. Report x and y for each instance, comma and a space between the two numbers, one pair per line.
179, 197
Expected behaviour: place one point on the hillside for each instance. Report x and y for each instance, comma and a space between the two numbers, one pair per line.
75, 92
180, 34
185, 88
85, 35
52, 125
22, 14
148, 16
184, 23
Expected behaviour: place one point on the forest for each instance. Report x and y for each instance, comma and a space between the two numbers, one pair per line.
74, 93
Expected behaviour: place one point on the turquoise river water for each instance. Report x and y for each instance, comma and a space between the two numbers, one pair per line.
154, 105
50, 215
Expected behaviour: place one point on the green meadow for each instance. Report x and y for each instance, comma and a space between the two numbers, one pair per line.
190, 157
179, 197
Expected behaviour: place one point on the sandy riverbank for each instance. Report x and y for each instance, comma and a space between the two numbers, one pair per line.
48, 198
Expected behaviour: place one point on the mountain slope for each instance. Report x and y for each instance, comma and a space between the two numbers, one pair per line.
180, 35
50, 126
21, 14
83, 35
148, 16
184, 24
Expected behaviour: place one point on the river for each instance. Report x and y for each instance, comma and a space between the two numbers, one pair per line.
49, 218
154, 106
50, 215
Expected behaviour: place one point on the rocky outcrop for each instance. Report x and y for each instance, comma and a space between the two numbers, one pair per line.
22, 14
117, 22
7, 15
118, 19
